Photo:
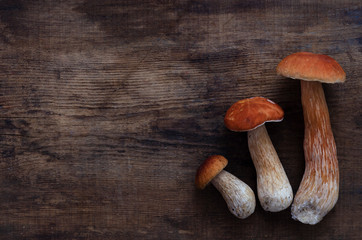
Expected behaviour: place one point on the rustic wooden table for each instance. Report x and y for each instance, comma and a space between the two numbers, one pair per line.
107, 108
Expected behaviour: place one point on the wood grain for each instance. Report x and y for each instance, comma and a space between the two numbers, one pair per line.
107, 108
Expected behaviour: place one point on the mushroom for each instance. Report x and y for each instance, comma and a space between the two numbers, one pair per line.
274, 190
318, 190
239, 197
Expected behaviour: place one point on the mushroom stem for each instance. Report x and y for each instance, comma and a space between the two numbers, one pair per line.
318, 191
274, 190
238, 196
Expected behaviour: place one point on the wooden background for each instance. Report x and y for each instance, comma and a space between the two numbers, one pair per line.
107, 108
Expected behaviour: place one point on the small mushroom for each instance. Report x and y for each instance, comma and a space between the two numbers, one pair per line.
318, 190
239, 197
274, 190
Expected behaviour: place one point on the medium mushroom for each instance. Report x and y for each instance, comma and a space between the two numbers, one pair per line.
239, 197
318, 190
274, 190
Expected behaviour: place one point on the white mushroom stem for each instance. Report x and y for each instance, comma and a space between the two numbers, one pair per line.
318, 191
274, 190
238, 196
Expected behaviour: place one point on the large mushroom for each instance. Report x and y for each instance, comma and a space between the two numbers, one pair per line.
238, 196
274, 190
318, 190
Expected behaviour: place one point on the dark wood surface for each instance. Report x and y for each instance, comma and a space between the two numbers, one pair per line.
107, 108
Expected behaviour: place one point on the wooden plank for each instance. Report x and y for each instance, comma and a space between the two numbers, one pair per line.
108, 108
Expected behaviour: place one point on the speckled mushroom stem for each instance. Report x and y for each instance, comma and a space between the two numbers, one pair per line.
238, 196
318, 191
274, 190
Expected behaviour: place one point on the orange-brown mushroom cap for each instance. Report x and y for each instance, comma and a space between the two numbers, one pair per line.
211, 167
248, 114
311, 67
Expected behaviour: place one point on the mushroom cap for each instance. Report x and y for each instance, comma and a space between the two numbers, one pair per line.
311, 67
211, 167
250, 113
